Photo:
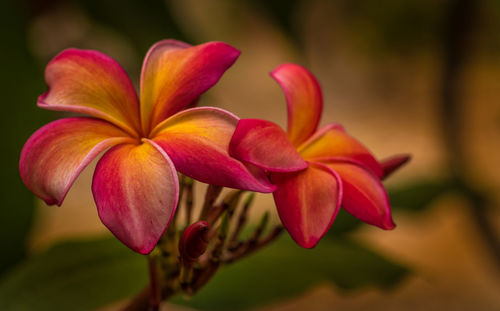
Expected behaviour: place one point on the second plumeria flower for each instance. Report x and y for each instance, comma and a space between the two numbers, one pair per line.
315, 171
151, 137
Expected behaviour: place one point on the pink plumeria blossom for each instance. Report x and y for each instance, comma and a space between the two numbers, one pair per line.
315, 171
150, 138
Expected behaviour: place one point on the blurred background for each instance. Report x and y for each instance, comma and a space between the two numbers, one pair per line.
416, 76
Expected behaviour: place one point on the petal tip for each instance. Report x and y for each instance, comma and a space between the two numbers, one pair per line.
394, 163
388, 225
144, 250
52, 201
230, 50
307, 244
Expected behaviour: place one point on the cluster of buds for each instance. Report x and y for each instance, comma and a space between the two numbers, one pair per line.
190, 253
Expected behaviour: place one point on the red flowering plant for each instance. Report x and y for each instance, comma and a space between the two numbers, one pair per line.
154, 146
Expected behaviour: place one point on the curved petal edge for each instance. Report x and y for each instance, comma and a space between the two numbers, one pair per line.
197, 141
364, 194
92, 83
55, 155
333, 141
264, 144
308, 202
136, 190
175, 74
304, 100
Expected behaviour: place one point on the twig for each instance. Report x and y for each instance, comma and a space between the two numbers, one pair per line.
155, 280
139, 302
189, 189
228, 205
251, 247
242, 219
210, 197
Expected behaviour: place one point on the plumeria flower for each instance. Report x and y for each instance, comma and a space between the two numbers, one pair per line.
315, 171
150, 137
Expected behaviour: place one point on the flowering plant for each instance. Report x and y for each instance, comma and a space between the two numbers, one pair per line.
156, 144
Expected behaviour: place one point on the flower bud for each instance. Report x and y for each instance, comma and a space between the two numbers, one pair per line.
193, 242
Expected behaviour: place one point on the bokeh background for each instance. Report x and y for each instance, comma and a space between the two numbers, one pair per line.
416, 76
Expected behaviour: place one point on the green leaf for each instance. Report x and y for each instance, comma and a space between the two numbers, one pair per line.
283, 270
417, 195
78, 275
84, 275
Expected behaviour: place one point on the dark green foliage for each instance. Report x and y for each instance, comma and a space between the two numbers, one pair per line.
283, 270
418, 195
21, 82
75, 276
84, 275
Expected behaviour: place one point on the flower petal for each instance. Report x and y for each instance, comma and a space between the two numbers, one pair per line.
333, 141
308, 201
174, 75
91, 83
264, 144
304, 100
136, 191
54, 156
197, 141
364, 194
391, 164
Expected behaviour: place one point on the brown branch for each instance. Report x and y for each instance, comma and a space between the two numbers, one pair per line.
250, 247
210, 197
242, 220
189, 189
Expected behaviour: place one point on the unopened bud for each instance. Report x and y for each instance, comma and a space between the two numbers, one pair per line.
193, 242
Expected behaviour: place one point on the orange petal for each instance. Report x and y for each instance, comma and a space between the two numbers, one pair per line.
54, 156
308, 201
91, 83
364, 194
136, 190
197, 141
265, 145
174, 75
333, 141
303, 98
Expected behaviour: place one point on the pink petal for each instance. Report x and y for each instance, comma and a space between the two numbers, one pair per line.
303, 98
197, 141
333, 141
390, 165
265, 144
174, 75
308, 201
54, 156
136, 191
364, 194
91, 83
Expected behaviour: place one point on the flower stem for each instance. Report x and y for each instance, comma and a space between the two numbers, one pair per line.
189, 189
155, 279
210, 197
